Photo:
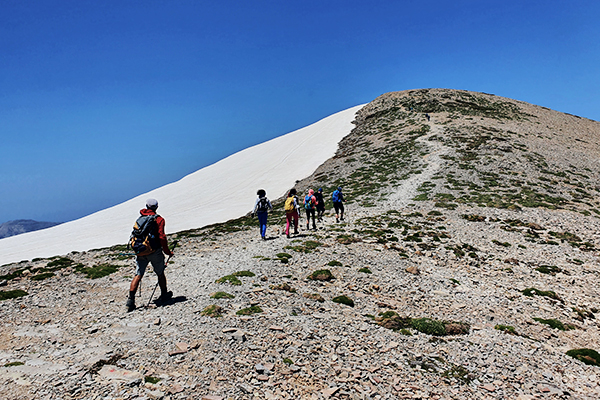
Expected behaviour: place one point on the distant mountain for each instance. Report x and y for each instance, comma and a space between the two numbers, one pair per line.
18, 226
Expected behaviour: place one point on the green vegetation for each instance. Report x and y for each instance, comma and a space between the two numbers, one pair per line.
365, 270
283, 257
306, 247
213, 311
14, 364
555, 324
391, 320
587, 356
321, 275
231, 279
287, 361
533, 291
151, 379
334, 263
42, 276
548, 269
97, 271
249, 311
506, 329
343, 300
12, 294
244, 273
221, 295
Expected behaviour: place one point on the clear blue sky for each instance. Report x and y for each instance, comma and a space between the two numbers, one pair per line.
102, 101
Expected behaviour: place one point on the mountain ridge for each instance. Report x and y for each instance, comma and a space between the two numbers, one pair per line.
466, 267
19, 226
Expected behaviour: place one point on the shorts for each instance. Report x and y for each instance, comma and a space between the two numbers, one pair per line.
157, 259
339, 207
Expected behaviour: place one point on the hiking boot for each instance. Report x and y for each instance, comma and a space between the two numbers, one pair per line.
295, 231
337, 220
341, 218
130, 304
165, 296
287, 235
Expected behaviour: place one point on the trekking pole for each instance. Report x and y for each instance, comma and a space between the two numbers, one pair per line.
166, 263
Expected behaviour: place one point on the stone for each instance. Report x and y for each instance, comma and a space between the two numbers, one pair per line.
330, 391
413, 270
489, 387
113, 373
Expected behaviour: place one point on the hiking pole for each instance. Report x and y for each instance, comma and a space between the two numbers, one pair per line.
166, 263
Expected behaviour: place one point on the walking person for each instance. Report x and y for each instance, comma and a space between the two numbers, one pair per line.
320, 204
338, 198
149, 242
262, 206
310, 204
291, 212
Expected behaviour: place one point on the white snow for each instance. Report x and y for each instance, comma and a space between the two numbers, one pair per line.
217, 193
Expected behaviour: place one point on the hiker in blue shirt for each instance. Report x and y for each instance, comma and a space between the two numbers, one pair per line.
338, 198
262, 206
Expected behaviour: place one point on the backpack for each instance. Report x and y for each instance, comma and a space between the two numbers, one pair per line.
335, 196
263, 205
144, 238
308, 202
289, 204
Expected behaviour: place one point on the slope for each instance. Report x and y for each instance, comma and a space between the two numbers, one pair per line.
466, 268
213, 194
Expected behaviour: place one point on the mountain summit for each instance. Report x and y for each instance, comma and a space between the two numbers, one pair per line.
18, 226
466, 267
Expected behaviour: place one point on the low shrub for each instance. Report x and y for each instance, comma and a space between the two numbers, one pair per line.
321, 275
250, 310
343, 300
212, 311
12, 294
221, 295
587, 356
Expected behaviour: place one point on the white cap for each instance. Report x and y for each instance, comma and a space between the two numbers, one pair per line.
151, 203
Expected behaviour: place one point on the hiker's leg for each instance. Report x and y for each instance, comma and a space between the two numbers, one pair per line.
288, 217
140, 270
341, 210
313, 218
296, 218
162, 283
262, 219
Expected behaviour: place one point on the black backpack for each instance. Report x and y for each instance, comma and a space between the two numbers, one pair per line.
263, 205
144, 238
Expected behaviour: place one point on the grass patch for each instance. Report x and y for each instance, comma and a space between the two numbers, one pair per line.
365, 270
506, 329
343, 300
231, 279
12, 294
529, 292
14, 364
391, 320
499, 243
284, 257
306, 247
244, 273
221, 295
548, 269
97, 271
42, 276
321, 275
249, 310
555, 324
151, 379
213, 311
587, 356
334, 263
287, 361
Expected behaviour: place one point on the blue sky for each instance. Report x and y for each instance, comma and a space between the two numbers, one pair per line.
102, 101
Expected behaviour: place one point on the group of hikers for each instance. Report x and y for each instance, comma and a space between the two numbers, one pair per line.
313, 204
149, 241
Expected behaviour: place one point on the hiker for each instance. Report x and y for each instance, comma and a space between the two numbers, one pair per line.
310, 204
338, 198
291, 212
320, 204
150, 251
261, 210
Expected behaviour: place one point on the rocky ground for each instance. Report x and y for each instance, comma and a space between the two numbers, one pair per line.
454, 287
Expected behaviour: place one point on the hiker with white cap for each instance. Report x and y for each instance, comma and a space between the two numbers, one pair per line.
149, 242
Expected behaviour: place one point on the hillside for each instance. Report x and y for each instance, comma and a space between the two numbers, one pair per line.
468, 260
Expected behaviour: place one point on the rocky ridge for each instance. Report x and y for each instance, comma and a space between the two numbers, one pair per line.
468, 259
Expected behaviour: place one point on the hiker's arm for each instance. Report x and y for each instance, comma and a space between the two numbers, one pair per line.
163, 237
